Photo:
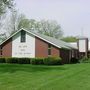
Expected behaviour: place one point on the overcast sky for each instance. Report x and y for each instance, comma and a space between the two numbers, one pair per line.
72, 15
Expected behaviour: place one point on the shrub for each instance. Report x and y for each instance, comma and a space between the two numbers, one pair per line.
18, 60
2, 60
52, 61
37, 61
11, 60
84, 60
24, 60
74, 60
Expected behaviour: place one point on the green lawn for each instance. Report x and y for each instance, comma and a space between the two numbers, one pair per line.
30, 77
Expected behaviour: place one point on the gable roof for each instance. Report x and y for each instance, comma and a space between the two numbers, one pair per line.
51, 40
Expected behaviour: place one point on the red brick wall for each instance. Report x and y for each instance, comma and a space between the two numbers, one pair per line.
55, 52
41, 48
7, 48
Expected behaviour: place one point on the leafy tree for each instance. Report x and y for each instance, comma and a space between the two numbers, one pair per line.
49, 28
15, 22
46, 27
11, 22
5, 5
3, 36
69, 39
23, 23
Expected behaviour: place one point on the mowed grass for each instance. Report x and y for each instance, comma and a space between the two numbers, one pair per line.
36, 77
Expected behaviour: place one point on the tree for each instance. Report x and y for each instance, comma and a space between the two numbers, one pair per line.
69, 39
15, 21
5, 5
23, 22
18, 21
46, 27
50, 28
2, 37
30, 24
11, 22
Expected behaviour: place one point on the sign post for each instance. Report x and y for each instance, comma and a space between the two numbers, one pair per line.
83, 46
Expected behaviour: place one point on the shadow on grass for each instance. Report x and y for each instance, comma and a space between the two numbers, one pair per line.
11, 68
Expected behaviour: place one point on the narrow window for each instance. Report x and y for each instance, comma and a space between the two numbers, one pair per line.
23, 36
49, 49
1, 48
1, 51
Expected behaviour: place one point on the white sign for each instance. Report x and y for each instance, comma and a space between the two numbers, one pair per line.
22, 50
82, 45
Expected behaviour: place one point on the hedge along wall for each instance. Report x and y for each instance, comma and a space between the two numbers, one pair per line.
34, 61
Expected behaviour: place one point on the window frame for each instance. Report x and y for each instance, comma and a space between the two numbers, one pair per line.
23, 36
1, 52
49, 49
